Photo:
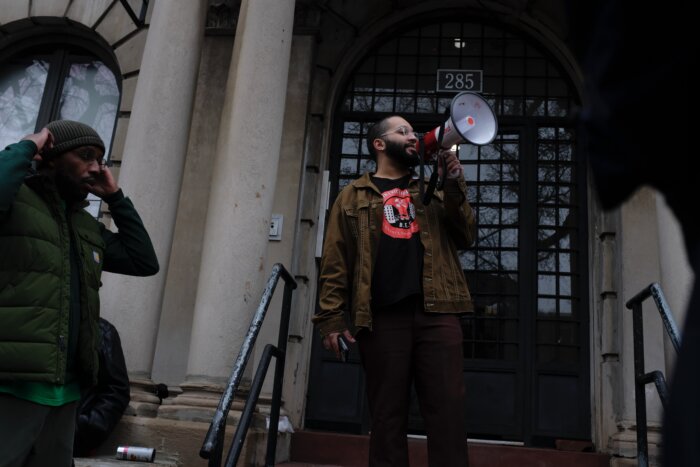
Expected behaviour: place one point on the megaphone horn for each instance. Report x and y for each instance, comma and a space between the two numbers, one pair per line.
471, 120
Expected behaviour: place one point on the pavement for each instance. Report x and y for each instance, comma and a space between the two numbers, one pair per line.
162, 459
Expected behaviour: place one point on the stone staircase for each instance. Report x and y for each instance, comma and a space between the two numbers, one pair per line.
323, 449
162, 460
320, 449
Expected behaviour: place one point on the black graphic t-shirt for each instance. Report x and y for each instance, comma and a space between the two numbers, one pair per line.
398, 269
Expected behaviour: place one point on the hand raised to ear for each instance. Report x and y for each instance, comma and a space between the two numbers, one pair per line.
104, 184
43, 141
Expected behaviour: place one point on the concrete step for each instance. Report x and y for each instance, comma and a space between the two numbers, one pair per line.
303, 464
162, 460
321, 448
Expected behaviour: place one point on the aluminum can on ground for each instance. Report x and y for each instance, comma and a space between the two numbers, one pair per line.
136, 453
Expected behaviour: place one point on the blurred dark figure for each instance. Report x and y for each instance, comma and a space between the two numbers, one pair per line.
102, 406
637, 123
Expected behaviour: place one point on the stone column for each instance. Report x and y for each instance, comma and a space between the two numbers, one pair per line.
151, 174
232, 271
640, 265
676, 274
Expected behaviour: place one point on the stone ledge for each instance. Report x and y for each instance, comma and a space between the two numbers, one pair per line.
183, 440
162, 459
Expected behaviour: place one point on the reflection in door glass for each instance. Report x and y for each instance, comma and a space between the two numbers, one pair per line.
21, 89
557, 240
491, 265
91, 96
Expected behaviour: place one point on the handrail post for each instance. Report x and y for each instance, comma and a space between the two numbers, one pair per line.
250, 403
279, 375
639, 386
219, 422
641, 379
666, 316
212, 447
218, 449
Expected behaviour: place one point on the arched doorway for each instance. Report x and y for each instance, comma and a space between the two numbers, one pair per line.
526, 347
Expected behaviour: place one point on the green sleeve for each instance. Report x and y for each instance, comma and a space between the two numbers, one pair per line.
129, 251
15, 162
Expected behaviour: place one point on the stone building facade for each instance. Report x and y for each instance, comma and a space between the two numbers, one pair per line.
222, 114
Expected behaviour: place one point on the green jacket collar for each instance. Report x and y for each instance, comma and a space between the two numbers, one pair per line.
45, 186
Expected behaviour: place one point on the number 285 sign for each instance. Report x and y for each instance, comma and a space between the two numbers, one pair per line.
459, 80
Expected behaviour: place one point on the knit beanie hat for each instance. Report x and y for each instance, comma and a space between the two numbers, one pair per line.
68, 134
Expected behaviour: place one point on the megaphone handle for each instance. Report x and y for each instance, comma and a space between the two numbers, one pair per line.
434, 182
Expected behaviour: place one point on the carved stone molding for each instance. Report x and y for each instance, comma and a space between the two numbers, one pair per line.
307, 19
222, 15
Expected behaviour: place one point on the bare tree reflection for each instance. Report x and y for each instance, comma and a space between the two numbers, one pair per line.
21, 91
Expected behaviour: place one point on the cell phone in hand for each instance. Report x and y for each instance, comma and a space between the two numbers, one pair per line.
344, 351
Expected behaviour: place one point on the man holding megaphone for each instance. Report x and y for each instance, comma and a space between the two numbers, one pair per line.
390, 265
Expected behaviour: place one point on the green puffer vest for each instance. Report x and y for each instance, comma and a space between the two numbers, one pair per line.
35, 287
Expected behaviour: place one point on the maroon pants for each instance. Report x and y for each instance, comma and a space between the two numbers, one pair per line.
408, 345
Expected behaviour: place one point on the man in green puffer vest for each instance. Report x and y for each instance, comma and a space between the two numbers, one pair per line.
52, 254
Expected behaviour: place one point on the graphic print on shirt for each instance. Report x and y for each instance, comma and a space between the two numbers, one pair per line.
399, 214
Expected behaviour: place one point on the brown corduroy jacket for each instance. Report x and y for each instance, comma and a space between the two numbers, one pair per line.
350, 249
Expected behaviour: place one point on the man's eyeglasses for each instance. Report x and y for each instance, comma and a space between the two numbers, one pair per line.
89, 155
402, 130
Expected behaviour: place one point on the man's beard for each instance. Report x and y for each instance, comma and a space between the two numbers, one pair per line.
68, 189
399, 153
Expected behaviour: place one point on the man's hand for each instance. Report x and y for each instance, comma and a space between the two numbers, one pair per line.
104, 184
330, 342
454, 168
43, 141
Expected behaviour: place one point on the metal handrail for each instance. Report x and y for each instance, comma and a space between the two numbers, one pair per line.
657, 377
212, 448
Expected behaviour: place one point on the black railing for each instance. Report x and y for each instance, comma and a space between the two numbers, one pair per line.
212, 448
641, 379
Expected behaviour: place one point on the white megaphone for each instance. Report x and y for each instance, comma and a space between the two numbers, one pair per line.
471, 121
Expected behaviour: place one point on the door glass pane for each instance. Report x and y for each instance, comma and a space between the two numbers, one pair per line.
491, 264
557, 241
21, 89
91, 96
524, 267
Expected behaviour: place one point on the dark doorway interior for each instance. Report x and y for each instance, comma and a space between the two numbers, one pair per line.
526, 362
